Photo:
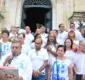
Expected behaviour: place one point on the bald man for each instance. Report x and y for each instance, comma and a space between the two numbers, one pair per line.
39, 58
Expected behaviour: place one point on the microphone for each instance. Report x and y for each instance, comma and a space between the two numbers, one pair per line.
11, 58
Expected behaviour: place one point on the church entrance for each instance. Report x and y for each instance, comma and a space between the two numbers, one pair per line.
36, 13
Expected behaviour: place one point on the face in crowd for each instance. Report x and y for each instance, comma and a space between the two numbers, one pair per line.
51, 37
68, 43
71, 33
5, 35
61, 27
38, 43
21, 38
60, 51
16, 48
27, 29
42, 29
82, 45
72, 26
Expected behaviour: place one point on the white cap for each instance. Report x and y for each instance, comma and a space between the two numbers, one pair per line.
71, 30
21, 31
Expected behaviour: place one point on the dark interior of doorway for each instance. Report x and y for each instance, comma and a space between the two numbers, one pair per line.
35, 15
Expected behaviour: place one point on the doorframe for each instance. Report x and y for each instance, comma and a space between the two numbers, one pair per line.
35, 6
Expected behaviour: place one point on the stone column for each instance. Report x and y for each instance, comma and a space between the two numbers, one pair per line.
13, 13
58, 15
18, 12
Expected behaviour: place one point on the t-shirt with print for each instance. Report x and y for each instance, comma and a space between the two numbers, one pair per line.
5, 48
60, 69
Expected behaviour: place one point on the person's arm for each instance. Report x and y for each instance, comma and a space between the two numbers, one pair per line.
8, 60
74, 68
43, 66
51, 51
49, 72
20, 78
70, 71
83, 77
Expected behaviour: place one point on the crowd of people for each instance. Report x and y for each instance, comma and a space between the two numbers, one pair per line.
55, 55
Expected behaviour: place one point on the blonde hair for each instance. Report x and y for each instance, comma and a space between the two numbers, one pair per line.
74, 37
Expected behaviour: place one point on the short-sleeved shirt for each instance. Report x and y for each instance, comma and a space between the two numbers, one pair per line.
60, 69
62, 37
5, 48
70, 54
38, 58
79, 61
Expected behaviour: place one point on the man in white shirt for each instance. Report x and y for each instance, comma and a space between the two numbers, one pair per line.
20, 61
29, 37
79, 61
25, 47
78, 34
62, 35
39, 58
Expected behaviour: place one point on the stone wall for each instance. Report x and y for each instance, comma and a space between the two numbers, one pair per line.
62, 10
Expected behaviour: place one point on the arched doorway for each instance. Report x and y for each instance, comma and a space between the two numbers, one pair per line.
37, 11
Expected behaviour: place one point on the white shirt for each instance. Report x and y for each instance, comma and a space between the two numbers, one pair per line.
44, 37
25, 48
60, 69
38, 58
79, 61
23, 64
51, 57
70, 54
6, 47
62, 37
78, 35
29, 38
1, 40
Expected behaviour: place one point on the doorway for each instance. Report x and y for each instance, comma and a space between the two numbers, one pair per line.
36, 15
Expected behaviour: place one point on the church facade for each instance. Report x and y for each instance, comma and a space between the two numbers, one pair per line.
61, 11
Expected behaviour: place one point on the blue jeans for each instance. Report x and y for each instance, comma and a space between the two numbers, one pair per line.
41, 77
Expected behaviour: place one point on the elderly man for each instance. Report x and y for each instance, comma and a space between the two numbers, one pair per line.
19, 61
39, 58
79, 61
